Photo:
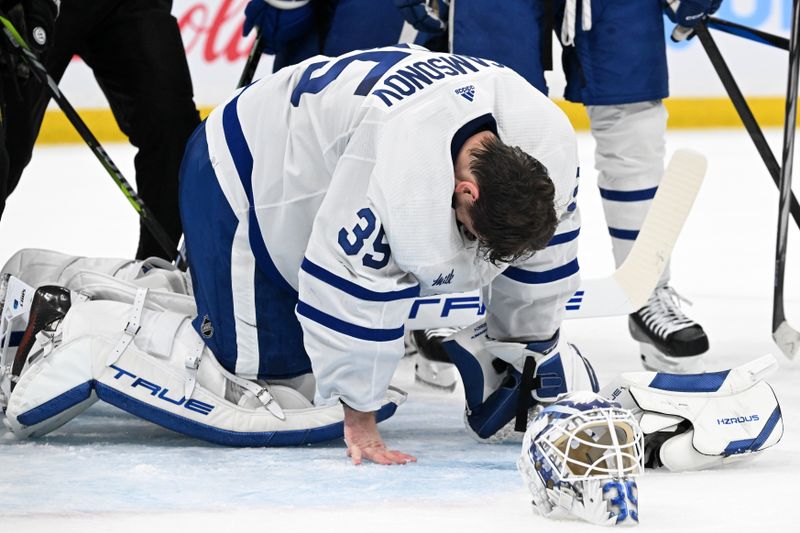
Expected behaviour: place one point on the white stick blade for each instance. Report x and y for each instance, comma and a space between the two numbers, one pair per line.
642, 269
788, 339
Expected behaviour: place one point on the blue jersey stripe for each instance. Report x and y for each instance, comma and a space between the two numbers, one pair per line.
624, 234
237, 145
546, 276
353, 289
347, 328
628, 196
243, 161
561, 238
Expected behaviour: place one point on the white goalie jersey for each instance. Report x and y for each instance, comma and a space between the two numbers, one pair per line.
351, 191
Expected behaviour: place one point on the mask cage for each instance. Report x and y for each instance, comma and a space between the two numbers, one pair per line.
601, 443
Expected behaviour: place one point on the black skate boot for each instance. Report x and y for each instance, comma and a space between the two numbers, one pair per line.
432, 365
50, 304
670, 341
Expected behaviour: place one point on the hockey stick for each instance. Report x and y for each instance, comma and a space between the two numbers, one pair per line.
29, 57
628, 289
786, 337
747, 32
625, 291
744, 112
251, 64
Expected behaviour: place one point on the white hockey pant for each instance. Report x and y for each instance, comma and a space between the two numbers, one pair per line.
137, 350
630, 160
696, 421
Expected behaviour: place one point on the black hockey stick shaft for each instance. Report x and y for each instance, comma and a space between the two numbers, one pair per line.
744, 112
83, 130
785, 182
251, 64
748, 33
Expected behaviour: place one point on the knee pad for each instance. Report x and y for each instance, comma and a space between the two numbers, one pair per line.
494, 375
696, 421
150, 362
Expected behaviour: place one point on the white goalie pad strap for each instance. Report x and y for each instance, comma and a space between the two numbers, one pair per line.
131, 328
731, 413
151, 386
193, 358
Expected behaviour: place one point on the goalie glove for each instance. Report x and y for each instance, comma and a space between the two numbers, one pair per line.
503, 380
421, 15
697, 421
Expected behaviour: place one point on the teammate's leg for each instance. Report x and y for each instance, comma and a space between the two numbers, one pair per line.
138, 58
622, 87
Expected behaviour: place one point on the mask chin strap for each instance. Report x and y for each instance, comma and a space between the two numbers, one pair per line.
528, 384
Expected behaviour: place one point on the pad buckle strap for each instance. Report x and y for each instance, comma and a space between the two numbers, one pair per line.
192, 364
270, 404
131, 328
263, 395
527, 385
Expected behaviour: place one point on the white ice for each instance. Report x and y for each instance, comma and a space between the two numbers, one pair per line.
108, 471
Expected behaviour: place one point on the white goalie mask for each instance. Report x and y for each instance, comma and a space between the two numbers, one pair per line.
580, 455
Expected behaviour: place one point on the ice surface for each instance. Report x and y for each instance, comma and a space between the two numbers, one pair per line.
108, 471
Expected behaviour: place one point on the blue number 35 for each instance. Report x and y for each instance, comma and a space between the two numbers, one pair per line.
353, 241
616, 494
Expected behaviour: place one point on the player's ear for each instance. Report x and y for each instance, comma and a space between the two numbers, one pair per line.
468, 187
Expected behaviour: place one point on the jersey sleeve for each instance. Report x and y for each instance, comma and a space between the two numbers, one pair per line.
353, 298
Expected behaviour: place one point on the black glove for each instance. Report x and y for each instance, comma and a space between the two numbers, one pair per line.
40, 19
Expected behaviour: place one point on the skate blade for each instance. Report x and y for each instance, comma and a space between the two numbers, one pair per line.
436, 386
655, 361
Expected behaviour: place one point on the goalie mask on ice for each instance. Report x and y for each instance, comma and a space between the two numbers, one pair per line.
580, 456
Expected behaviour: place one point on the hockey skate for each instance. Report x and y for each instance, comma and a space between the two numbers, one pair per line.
44, 312
669, 340
432, 366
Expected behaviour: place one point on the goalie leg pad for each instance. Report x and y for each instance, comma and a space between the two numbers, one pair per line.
46, 267
166, 375
492, 373
698, 421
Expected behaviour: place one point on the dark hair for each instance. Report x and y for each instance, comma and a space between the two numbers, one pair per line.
514, 214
